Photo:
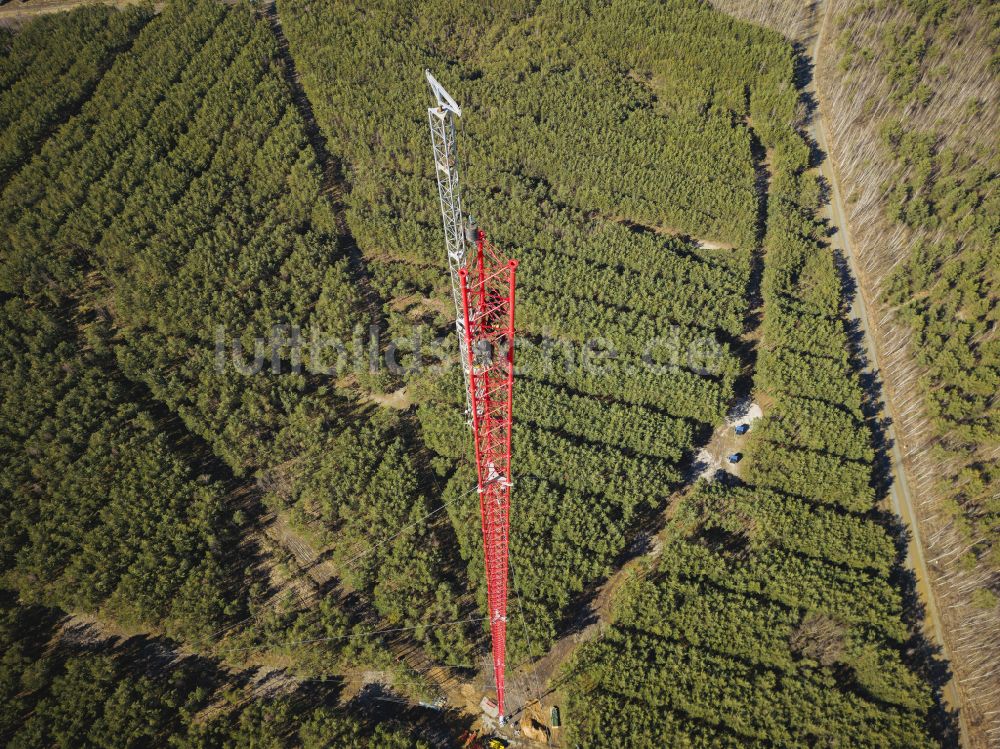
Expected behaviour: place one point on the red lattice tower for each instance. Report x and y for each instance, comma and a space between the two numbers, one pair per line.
487, 286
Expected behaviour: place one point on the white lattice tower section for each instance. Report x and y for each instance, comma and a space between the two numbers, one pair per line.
445, 145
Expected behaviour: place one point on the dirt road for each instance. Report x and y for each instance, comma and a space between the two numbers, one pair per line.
899, 494
14, 12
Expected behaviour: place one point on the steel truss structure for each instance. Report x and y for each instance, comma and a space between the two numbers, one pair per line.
484, 303
445, 147
488, 315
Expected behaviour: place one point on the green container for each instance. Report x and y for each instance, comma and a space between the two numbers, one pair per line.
555, 717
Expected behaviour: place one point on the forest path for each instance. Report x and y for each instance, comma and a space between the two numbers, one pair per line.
666, 231
14, 12
333, 176
539, 679
321, 573
899, 491
536, 684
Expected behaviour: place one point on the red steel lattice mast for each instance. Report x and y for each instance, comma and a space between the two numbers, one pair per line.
484, 302
488, 311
